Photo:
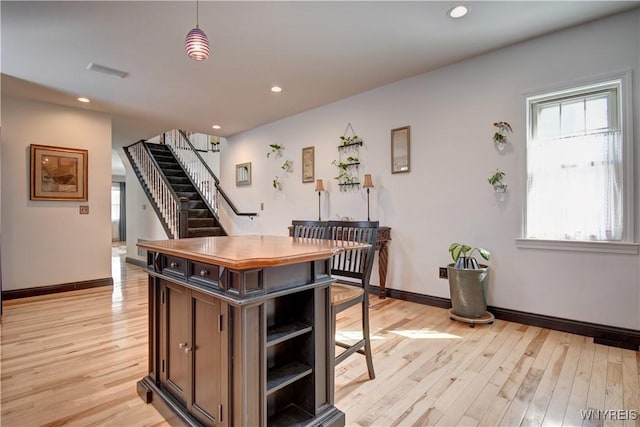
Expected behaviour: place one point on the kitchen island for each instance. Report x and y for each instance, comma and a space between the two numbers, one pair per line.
240, 331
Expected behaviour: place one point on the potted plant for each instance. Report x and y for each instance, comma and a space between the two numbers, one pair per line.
496, 181
467, 280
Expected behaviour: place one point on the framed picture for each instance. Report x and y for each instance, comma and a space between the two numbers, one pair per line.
400, 150
243, 174
58, 173
308, 164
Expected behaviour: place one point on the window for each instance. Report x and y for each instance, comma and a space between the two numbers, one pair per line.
575, 165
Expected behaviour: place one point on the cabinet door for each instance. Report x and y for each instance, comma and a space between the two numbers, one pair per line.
178, 341
207, 359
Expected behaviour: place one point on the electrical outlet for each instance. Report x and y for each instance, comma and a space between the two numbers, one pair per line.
262, 206
84, 210
443, 274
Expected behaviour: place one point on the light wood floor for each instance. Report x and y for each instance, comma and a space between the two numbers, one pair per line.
74, 359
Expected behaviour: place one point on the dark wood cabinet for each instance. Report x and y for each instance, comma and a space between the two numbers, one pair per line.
241, 336
192, 341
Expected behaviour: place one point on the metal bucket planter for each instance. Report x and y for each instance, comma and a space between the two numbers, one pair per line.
466, 287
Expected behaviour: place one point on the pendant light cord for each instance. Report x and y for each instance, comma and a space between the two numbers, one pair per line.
197, 14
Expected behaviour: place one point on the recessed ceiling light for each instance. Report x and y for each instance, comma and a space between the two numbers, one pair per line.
458, 12
216, 126
83, 99
276, 89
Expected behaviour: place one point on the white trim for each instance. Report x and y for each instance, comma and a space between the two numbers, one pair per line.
628, 200
580, 246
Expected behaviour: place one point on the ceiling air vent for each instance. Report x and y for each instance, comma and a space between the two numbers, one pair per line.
106, 70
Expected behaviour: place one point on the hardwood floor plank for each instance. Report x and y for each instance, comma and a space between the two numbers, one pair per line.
613, 396
559, 399
580, 388
631, 387
597, 386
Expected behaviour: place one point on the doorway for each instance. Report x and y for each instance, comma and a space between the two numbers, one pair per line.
118, 212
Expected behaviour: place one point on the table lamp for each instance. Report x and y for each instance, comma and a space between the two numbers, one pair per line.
319, 189
368, 183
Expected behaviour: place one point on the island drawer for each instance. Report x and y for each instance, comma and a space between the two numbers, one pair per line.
204, 274
174, 266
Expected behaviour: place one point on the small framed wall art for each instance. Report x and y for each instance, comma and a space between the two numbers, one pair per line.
400, 150
59, 173
243, 174
308, 164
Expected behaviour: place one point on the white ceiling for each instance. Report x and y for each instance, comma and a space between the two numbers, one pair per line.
319, 52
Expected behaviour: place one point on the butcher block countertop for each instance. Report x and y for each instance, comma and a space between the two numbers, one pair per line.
249, 252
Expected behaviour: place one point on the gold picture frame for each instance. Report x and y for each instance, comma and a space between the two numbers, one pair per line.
308, 164
59, 173
401, 150
243, 174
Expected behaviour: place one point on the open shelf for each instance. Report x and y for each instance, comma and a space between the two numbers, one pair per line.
292, 415
282, 376
280, 333
349, 145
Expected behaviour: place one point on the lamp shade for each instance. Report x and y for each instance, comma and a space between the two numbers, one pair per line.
368, 183
197, 44
319, 185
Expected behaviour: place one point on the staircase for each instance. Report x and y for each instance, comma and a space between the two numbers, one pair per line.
200, 220
183, 190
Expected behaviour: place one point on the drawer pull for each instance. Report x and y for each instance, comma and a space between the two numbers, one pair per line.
187, 349
204, 272
182, 345
173, 264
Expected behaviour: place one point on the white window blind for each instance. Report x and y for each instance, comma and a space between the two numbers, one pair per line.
575, 165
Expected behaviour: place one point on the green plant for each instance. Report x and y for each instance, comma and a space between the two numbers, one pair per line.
342, 177
501, 134
497, 177
275, 149
277, 184
462, 255
287, 166
349, 140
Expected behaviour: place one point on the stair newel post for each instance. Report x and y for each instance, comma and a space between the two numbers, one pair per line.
183, 218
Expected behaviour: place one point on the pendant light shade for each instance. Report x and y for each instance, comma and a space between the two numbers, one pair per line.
196, 43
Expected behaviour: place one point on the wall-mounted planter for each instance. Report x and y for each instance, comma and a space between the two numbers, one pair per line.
500, 188
500, 137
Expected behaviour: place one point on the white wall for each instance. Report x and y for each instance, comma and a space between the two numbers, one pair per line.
446, 196
49, 242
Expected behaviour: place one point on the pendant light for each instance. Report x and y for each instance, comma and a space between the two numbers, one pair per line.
197, 44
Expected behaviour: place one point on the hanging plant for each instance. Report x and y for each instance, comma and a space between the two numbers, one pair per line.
287, 166
500, 136
496, 181
350, 140
277, 184
276, 150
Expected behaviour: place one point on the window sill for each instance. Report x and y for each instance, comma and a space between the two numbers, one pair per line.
580, 246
